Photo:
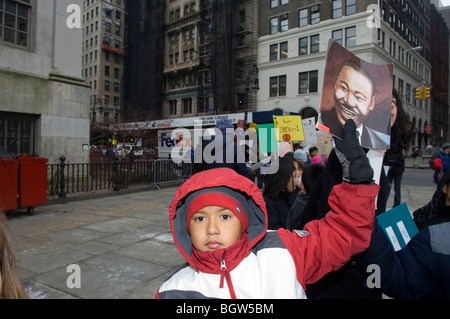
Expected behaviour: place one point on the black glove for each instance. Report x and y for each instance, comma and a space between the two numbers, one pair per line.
356, 168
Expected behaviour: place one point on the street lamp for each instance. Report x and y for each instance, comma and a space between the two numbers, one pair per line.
410, 49
252, 73
94, 113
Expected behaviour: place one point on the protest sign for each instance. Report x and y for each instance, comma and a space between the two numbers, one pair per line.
290, 128
358, 90
398, 226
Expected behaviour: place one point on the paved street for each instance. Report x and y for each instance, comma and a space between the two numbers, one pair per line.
122, 244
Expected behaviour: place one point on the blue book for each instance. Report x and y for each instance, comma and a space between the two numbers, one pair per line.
398, 226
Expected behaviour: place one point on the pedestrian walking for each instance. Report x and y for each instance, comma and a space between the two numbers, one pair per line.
440, 162
402, 130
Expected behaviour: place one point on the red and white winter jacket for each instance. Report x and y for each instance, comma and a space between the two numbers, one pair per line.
268, 264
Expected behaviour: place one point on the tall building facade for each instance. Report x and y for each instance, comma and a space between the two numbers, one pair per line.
210, 46
103, 57
144, 63
193, 57
293, 42
44, 109
440, 75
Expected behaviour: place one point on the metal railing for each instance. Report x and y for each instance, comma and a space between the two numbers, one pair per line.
167, 171
67, 179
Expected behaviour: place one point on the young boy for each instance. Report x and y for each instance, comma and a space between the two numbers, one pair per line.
219, 224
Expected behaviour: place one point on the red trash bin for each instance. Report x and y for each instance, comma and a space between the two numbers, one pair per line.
32, 182
8, 184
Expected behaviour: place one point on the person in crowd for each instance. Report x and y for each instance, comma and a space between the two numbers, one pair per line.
421, 269
10, 287
402, 132
415, 154
347, 282
316, 159
212, 151
313, 151
440, 162
437, 210
301, 155
218, 220
309, 176
281, 190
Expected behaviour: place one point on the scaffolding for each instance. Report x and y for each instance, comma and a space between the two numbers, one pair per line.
227, 48
143, 92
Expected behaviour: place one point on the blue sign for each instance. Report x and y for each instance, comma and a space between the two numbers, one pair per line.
398, 226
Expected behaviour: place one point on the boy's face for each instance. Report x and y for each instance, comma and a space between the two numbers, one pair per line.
214, 228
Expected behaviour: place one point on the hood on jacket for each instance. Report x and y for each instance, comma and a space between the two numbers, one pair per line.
226, 181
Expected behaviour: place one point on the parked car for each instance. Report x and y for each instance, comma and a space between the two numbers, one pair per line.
123, 150
149, 152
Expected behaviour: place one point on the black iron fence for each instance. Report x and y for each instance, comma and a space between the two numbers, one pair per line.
76, 178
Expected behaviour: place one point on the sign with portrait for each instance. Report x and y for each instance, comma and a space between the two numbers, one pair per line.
358, 90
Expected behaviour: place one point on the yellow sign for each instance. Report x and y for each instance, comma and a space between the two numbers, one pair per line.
114, 142
290, 128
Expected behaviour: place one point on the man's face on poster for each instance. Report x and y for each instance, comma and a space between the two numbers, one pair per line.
354, 95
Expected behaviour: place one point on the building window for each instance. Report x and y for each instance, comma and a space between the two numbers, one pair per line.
308, 82
187, 106
173, 107
303, 18
278, 86
350, 7
350, 37
315, 14
15, 22
274, 52
283, 50
17, 135
284, 23
337, 9
303, 46
337, 36
276, 3
274, 25
315, 43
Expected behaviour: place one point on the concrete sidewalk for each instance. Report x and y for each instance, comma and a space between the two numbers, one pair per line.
122, 244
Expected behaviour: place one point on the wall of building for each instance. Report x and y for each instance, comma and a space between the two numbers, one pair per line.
44, 82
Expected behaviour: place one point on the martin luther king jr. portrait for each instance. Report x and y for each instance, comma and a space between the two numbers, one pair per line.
358, 90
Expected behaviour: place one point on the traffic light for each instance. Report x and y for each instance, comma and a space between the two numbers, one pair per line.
426, 92
419, 93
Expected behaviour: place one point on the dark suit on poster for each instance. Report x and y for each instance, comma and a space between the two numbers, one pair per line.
370, 138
